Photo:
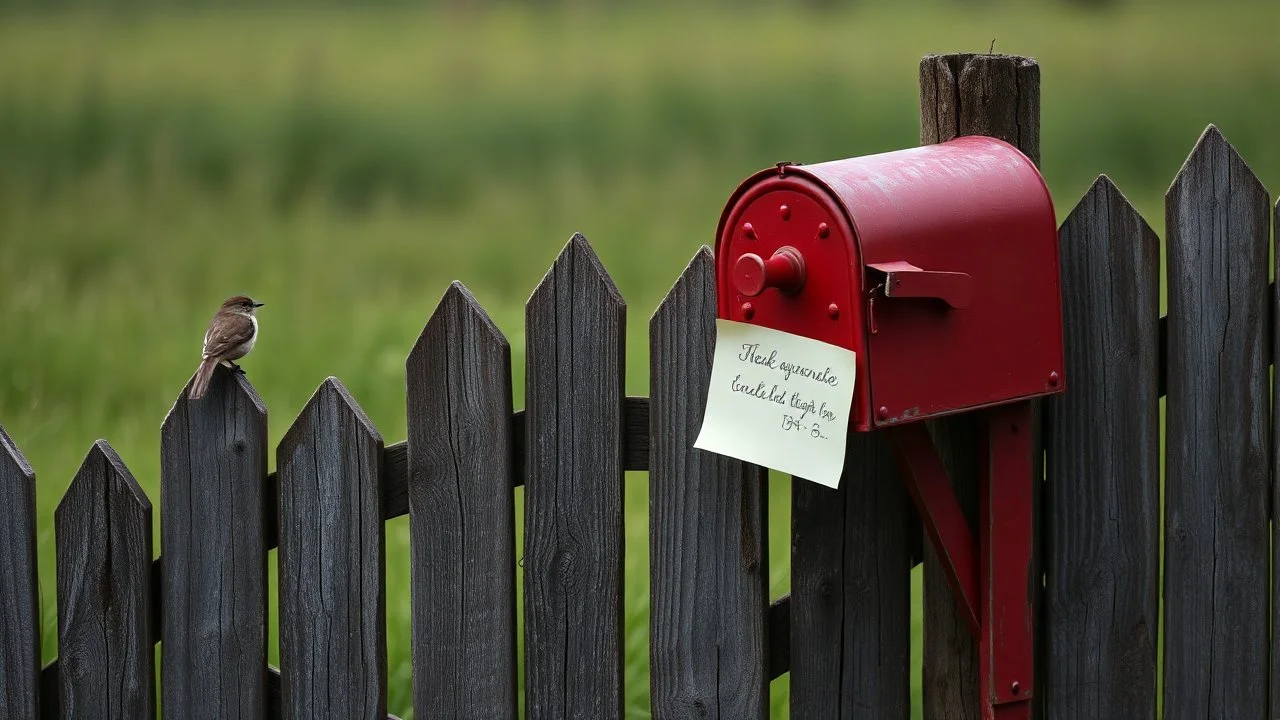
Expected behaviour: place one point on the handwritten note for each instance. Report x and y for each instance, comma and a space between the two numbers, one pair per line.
779, 400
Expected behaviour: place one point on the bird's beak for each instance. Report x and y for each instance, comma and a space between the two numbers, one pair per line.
258, 304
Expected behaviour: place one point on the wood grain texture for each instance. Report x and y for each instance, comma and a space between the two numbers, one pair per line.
462, 515
19, 587
709, 569
998, 96
333, 629
994, 95
851, 590
1101, 591
103, 545
1274, 298
575, 324
1217, 544
394, 480
213, 468
275, 702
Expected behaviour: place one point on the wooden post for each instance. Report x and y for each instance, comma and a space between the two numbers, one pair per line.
997, 96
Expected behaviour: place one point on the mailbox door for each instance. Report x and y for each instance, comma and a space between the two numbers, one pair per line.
776, 209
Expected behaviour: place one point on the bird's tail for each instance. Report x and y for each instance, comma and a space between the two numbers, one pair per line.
203, 375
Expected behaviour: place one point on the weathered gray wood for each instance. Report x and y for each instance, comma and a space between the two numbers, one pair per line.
275, 703
462, 514
964, 94
103, 536
635, 437
949, 680
19, 587
575, 324
967, 94
333, 642
394, 480
213, 468
1217, 543
1101, 593
1274, 299
851, 590
709, 565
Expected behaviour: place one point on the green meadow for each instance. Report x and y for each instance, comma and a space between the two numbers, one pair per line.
345, 166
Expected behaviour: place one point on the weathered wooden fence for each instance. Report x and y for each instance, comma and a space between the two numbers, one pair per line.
717, 640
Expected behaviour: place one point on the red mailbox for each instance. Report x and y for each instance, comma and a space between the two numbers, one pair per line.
938, 267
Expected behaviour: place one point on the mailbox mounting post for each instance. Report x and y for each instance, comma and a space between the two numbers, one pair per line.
990, 571
938, 267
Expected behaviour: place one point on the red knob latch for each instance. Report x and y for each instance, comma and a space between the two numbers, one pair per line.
784, 270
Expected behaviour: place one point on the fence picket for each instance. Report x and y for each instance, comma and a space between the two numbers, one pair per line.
1274, 299
575, 324
213, 468
1217, 544
19, 587
709, 568
1104, 469
851, 590
462, 514
103, 547
333, 632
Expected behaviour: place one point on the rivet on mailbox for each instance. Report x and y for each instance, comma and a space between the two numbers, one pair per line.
941, 264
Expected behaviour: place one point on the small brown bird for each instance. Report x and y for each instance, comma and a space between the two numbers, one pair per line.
230, 336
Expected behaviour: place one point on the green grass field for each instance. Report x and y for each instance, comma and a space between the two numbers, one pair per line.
345, 166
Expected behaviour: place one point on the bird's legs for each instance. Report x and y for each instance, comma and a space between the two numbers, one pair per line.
234, 367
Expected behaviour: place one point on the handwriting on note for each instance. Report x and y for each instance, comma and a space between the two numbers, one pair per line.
779, 400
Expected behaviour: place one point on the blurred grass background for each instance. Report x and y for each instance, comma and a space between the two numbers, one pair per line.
345, 165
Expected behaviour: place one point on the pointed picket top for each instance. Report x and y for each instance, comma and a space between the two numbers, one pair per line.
226, 387
575, 345
695, 284
330, 393
1104, 203
12, 462
461, 512
1216, 165
457, 311
102, 465
1218, 218
104, 555
331, 544
580, 262
213, 472
705, 509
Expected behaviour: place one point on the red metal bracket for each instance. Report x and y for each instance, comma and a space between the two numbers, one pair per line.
1006, 646
940, 513
991, 577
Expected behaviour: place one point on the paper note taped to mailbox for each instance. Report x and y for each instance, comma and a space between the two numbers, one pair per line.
779, 400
